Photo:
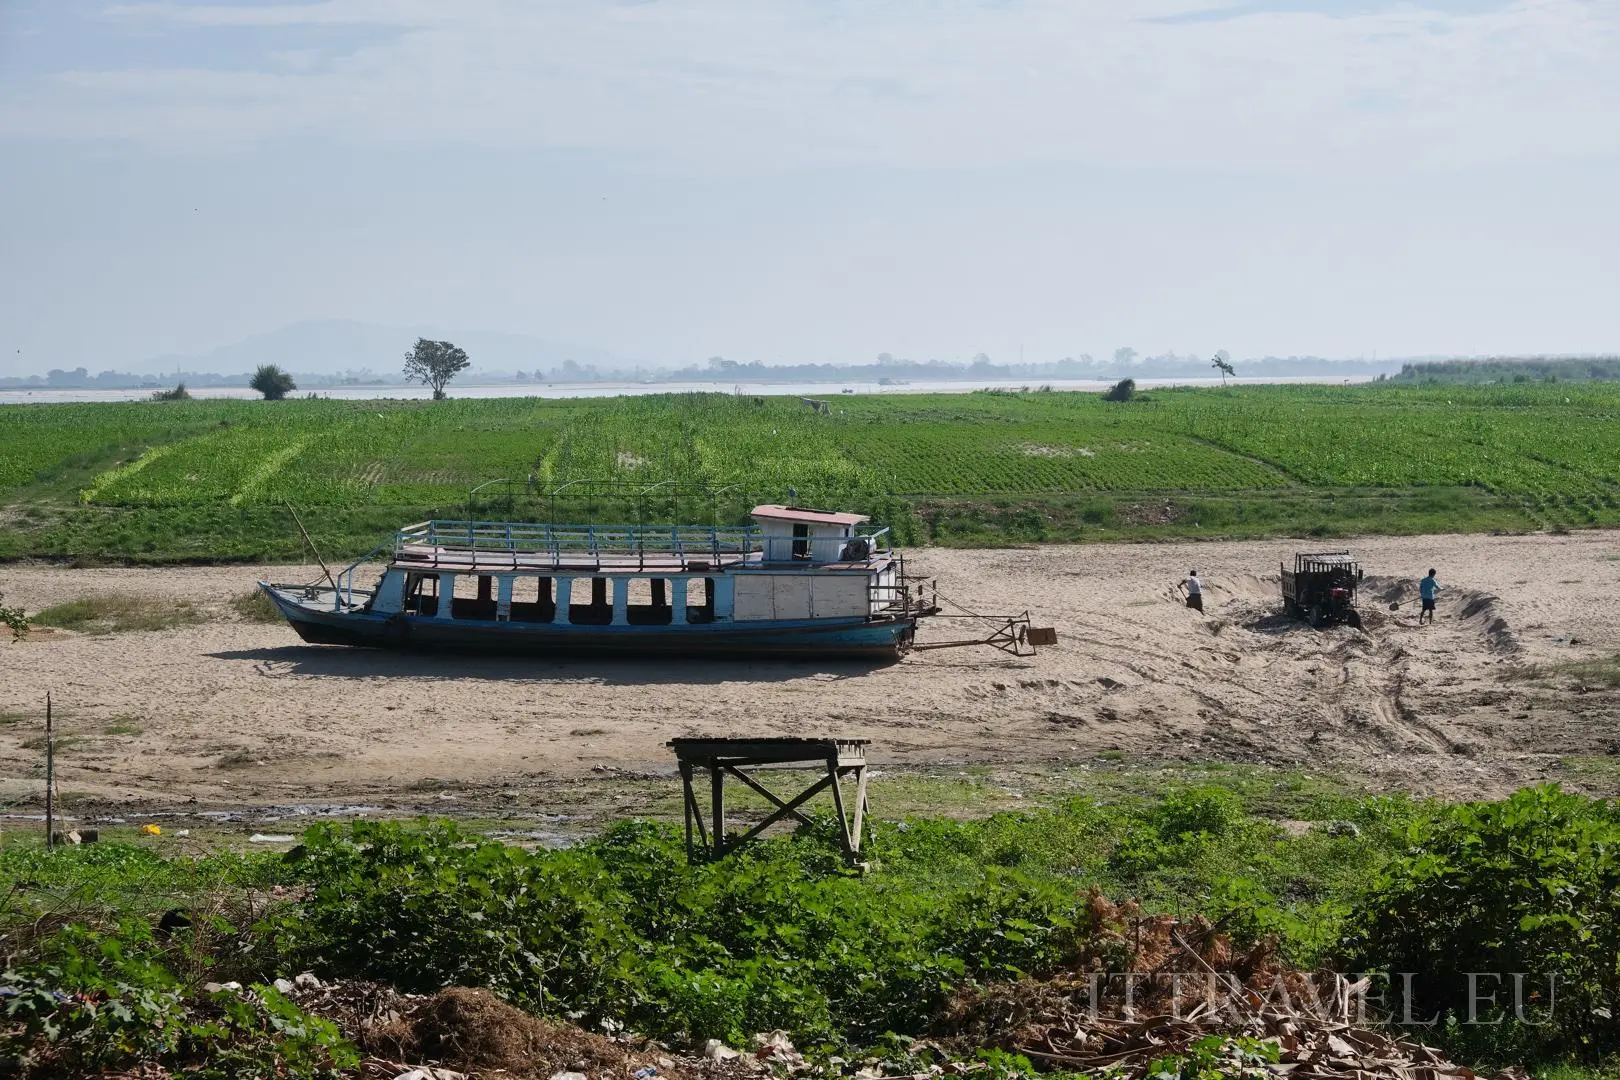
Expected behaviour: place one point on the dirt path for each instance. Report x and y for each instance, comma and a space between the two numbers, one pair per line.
231, 712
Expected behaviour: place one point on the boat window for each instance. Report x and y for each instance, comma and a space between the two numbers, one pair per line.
421, 595
473, 598
649, 602
531, 600
599, 611
700, 600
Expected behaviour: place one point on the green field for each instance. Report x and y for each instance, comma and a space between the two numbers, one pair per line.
209, 480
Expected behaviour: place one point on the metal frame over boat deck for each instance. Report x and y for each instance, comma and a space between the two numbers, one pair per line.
487, 545
720, 757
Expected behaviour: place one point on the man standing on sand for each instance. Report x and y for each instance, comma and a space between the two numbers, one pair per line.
1426, 590
1194, 591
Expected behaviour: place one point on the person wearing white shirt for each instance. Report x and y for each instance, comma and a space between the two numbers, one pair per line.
1194, 590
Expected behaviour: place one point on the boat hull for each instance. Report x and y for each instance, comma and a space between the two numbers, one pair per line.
833, 638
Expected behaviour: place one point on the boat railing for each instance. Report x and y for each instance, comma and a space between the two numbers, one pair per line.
343, 581
557, 545
560, 545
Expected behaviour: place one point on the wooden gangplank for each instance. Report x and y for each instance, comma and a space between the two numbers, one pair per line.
840, 758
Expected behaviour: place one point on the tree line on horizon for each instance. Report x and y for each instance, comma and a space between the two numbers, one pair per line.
1126, 362
1512, 370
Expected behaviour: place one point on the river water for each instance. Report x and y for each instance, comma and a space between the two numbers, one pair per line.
42, 395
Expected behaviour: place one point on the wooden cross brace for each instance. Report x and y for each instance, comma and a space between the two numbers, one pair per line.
731, 757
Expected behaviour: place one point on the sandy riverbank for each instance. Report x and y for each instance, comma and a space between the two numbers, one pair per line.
228, 711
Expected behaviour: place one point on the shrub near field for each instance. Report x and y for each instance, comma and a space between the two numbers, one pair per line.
1245, 459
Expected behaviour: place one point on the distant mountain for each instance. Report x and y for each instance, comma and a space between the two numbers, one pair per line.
333, 346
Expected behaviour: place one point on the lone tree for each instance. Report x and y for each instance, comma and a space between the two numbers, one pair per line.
435, 363
15, 618
272, 382
1223, 365
1123, 390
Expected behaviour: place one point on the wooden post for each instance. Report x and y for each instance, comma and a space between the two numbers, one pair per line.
717, 792
838, 805
686, 805
50, 777
860, 804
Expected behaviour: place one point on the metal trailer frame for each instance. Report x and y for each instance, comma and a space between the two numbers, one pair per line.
1331, 566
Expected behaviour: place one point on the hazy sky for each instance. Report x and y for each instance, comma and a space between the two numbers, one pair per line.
814, 180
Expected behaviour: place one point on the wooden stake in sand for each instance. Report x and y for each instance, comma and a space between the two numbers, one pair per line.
50, 777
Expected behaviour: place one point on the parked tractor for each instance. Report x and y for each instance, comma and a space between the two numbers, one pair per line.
1322, 588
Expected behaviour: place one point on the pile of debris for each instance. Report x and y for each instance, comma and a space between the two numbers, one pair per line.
1141, 989
1150, 987
465, 1034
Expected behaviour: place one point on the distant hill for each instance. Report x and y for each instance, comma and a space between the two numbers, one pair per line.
334, 346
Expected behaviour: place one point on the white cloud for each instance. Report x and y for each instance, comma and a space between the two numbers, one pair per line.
735, 84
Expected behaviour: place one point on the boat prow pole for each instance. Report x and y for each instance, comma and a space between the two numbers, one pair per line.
313, 549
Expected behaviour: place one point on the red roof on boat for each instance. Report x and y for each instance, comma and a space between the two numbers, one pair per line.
807, 515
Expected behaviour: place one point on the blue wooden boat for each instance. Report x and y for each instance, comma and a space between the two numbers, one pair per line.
794, 582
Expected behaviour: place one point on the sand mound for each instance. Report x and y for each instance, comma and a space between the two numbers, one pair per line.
1476, 610
1258, 588
1480, 611
475, 1029
472, 1031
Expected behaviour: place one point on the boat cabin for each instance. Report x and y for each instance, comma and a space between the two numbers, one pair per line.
790, 564
819, 537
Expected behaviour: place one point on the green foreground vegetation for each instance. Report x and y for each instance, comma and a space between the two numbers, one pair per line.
204, 481
622, 928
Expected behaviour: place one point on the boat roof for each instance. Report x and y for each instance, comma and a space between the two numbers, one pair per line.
772, 512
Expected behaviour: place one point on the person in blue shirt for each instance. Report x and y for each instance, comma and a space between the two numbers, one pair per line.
1426, 590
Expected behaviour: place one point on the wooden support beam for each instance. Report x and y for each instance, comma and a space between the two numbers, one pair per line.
838, 805
686, 805
717, 793
860, 804
694, 813
799, 800
768, 793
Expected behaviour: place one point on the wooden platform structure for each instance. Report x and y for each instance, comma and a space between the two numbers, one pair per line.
839, 758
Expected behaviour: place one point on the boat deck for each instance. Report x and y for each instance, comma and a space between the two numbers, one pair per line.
462, 560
